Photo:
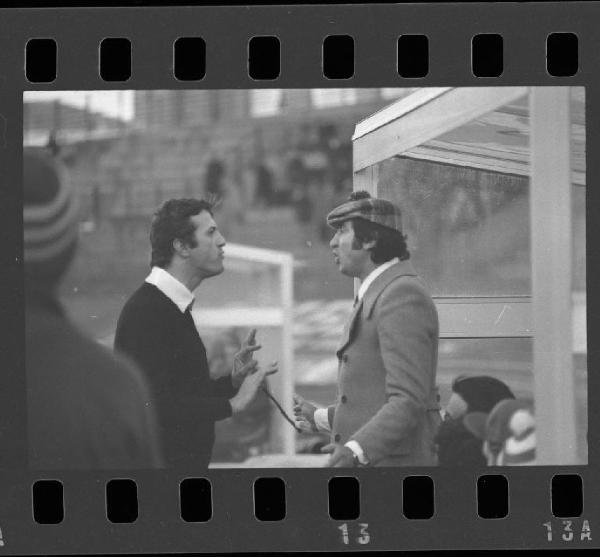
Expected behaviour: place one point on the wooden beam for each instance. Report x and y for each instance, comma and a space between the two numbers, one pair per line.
480, 158
285, 382
413, 123
551, 276
397, 110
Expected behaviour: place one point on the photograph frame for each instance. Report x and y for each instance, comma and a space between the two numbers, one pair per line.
301, 30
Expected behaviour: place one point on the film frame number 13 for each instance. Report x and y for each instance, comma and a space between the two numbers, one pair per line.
363, 538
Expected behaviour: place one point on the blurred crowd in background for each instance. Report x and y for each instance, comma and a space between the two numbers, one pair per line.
253, 148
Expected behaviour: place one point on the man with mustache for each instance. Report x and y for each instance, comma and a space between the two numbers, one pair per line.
157, 331
386, 412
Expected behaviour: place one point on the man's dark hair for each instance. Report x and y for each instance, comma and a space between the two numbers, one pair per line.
389, 243
172, 222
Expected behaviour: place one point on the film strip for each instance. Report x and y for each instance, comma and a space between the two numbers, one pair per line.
493, 105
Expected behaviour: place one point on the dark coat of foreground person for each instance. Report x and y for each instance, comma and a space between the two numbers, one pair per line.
86, 409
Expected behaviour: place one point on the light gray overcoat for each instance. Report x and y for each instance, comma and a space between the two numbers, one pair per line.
387, 397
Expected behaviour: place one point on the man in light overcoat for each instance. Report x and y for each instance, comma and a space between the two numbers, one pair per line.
387, 411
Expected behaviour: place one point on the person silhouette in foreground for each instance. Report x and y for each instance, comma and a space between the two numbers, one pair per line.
87, 410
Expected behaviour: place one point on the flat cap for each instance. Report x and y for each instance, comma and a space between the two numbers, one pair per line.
362, 206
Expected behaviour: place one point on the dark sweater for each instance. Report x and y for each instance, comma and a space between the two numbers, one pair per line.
165, 344
87, 410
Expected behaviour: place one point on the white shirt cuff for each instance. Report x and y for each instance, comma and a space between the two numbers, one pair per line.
357, 450
322, 419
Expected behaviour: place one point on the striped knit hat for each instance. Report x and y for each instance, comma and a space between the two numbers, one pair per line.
509, 430
50, 217
519, 448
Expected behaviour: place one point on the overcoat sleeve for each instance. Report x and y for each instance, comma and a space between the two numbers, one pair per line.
406, 330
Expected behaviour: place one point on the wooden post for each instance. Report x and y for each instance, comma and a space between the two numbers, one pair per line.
551, 275
287, 349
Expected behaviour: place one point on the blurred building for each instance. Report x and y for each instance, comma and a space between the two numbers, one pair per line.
128, 168
64, 122
171, 109
156, 109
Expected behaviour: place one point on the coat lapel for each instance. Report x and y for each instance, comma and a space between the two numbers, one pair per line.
403, 268
349, 327
365, 306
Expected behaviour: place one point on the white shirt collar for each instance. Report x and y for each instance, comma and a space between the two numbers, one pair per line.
177, 292
373, 275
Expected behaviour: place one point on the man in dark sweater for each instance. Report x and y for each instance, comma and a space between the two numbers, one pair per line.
157, 331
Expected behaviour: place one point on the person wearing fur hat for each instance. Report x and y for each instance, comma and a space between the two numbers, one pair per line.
86, 409
387, 411
456, 445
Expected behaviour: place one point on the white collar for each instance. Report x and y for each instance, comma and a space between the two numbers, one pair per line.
177, 292
373, 275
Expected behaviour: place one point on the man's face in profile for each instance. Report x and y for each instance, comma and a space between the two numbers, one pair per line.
207, 257
350, 261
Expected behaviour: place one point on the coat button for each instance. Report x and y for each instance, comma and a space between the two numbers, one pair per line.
345, 358
344, 399
337, 437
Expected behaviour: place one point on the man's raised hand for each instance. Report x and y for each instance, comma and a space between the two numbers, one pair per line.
238, 376
249, 387
243, 358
